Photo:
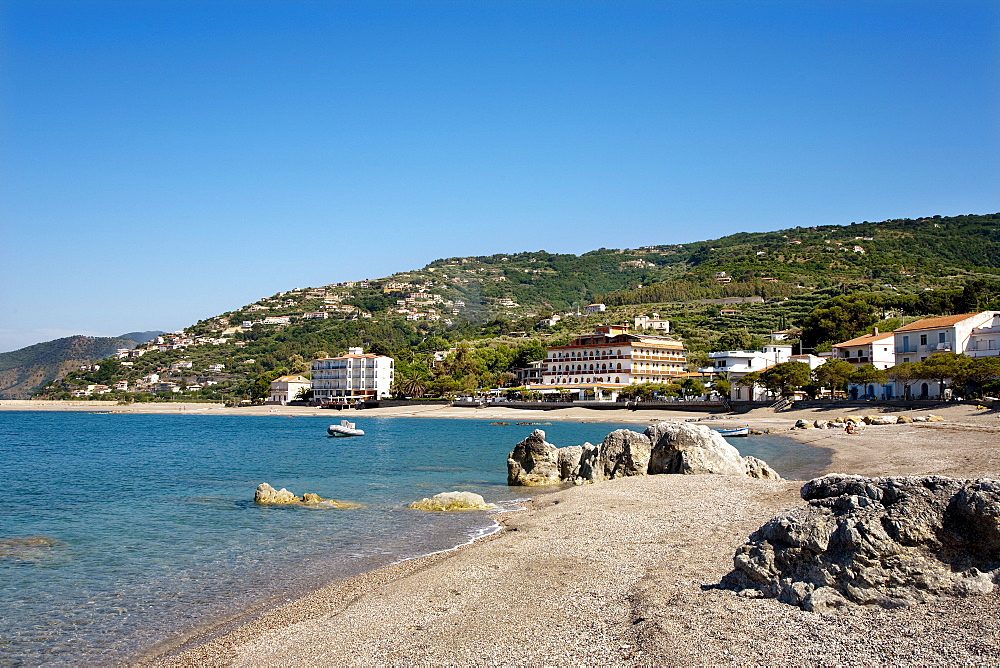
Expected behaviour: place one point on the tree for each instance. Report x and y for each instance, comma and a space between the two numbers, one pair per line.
979, 374
785, 378
942, 367
834, 374
692, 387
904, 373
737, 339
869, 374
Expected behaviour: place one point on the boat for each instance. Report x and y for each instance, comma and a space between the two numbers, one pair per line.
345, 428
738, 431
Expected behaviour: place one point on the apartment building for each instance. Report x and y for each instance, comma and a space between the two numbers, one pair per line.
351, 377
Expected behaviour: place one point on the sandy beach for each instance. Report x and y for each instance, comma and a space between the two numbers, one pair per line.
622, 572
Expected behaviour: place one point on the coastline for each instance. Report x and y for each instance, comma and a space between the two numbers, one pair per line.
618, 571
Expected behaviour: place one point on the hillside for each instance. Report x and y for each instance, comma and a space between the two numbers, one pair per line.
499, 303
25, 370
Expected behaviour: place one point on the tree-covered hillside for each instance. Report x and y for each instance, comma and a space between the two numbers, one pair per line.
750, 282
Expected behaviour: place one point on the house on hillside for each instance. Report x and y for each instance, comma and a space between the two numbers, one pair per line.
654, 323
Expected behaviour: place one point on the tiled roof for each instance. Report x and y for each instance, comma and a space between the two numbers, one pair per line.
865, 340
941, 321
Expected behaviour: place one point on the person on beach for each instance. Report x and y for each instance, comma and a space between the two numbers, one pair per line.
851, 428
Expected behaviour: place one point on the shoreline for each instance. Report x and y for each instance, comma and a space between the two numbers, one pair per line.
615, 572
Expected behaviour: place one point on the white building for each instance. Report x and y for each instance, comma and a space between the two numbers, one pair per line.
595, 308
287, 388
968, 333
655, 323
875, 348
352, 376
610, 359
738, 363
950, 333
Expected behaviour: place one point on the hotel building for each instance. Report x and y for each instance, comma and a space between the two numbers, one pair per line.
352, 377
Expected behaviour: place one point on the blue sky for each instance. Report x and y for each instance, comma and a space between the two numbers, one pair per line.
165, 161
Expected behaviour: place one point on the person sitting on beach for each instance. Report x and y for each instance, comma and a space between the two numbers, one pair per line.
851, 428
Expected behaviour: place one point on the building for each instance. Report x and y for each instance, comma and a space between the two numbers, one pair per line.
950, 333
968, 333
594, 308
645, 322
351, 377
875, 348
602, 363
530, 375
287, 388
738, 363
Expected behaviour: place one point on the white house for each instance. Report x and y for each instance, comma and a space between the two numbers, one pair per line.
968, 333
352, 377
655, 323
595, 308
875, 348
287, 388
738, 363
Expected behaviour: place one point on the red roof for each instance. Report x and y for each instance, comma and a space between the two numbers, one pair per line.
865, 340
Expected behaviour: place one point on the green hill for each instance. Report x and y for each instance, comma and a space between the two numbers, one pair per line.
25, 370
902, 267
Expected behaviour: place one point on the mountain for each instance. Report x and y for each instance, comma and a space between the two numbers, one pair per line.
769, 281
141, 337
25, 370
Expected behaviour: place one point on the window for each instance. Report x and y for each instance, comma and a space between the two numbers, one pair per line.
923, 339
942, 337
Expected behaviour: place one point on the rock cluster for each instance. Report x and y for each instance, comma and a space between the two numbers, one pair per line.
269, 496
448, 501
665, 447
890, 542
841, 422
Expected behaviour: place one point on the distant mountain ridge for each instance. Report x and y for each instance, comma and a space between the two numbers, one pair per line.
142, 337
25, 370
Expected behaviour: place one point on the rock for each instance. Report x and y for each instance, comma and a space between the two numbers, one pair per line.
680, 447
758, 468
452, 501
920, 418
569, 460
533, 462
27, 548
889, 542
820, 424
935, 418
268, 495
884, 419
622, 453
803, 424
903, 419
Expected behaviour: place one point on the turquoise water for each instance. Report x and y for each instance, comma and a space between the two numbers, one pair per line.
146, 528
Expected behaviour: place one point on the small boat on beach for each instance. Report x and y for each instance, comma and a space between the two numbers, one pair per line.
345, 428
738, 431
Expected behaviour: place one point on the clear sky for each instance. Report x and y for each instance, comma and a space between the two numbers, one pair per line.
165, 161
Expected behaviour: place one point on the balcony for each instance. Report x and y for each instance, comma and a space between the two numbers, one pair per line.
902, 350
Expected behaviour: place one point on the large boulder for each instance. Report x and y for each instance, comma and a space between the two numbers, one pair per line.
622, 453
570, 459
890, 542
533, 462
681, 447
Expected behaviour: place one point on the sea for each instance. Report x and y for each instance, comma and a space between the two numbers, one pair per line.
120, 531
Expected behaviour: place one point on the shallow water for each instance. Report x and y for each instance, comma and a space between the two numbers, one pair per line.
121, 530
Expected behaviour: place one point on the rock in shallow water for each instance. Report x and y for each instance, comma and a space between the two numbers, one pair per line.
449, 501
890, 542
269, 496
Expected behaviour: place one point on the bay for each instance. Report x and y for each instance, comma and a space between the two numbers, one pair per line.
119, 531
